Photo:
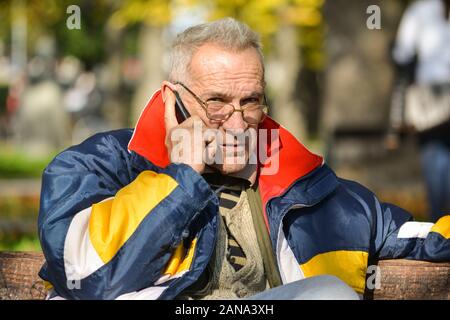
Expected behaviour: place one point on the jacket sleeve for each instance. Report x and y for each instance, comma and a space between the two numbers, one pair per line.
106, 230
394, 234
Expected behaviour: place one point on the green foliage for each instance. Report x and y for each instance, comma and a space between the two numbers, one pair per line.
267, 16
88, 44
25, 243
49, 17
151, 12
18, 223
14, 164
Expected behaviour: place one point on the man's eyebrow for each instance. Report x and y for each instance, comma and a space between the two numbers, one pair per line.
253, 95
258, 94
210, 94
217, 94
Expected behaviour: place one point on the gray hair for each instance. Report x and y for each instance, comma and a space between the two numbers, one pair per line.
227, 33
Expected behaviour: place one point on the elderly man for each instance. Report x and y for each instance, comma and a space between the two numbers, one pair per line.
200, 205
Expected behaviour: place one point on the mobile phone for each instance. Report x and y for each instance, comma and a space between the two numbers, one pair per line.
180, 110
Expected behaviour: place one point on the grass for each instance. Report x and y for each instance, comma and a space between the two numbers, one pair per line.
24, 243
18, 215
16, 164
18, 223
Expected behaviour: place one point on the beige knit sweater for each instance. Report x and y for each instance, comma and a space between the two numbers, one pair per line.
225, 282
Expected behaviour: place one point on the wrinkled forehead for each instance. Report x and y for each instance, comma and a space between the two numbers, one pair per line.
215, 68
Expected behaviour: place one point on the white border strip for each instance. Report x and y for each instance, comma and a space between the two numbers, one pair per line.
289, 267
414, 230
80, 257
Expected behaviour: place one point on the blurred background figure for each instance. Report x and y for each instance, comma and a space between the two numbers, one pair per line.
41, 122
421, 102
83, 101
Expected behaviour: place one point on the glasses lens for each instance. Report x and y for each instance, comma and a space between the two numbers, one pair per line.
219, 111
254, 114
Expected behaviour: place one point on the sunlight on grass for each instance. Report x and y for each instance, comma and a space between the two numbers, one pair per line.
17, 164
23, 244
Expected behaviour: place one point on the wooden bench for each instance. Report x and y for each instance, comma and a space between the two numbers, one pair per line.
400, 279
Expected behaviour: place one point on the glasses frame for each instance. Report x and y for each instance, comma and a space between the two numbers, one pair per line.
204, 105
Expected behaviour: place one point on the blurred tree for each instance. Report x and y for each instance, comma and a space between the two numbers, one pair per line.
151, 16
49, 17
92, 44
359, 76
292, 33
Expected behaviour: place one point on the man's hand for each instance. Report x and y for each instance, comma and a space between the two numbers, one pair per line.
192, 145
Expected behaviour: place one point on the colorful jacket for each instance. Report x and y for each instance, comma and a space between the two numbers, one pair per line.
118, 221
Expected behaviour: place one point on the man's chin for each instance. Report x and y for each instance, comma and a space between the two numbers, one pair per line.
229, 168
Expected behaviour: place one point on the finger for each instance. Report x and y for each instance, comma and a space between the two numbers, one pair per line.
170, 117
209, 153
209, 136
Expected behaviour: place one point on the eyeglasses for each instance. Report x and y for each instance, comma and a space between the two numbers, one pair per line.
218, 111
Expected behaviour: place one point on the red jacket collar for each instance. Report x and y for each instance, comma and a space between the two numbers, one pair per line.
295, 161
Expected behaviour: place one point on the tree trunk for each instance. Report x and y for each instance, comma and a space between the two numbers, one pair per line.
359, 75
283, 68
114, 107
151, 54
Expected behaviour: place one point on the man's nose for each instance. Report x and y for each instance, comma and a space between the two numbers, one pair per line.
235, 122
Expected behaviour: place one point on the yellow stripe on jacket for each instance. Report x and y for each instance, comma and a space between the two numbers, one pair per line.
112, 222
180, 260
442, 226
349, 266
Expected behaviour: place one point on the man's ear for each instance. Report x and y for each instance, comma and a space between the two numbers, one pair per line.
166, 85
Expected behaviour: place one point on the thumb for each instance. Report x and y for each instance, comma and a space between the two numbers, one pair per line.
170, 118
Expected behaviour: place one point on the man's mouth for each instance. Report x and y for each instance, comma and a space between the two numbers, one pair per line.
233, 146
233, 150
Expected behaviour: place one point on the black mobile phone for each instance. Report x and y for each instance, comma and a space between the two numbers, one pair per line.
180, 110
